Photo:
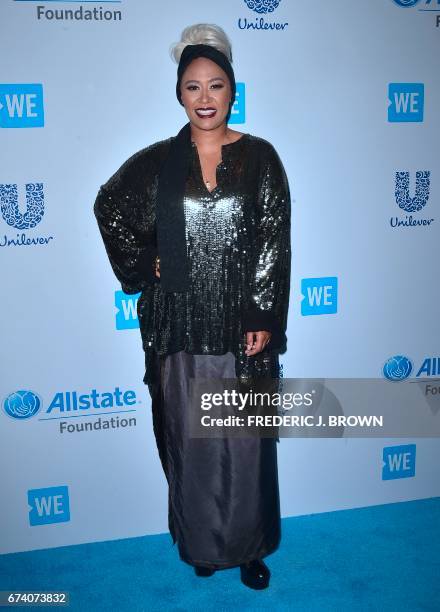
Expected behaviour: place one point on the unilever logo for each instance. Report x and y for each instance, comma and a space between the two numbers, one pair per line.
406, 3
411, 204
262, 6
397, 368
34, 205
30, 218
22, 404
403, 199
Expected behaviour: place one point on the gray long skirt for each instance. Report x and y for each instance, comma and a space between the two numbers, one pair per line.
224, 506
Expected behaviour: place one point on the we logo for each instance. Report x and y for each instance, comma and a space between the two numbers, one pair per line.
238, 110
405, 102
21, 105
126, 315
48, 505
319, 295
399, 462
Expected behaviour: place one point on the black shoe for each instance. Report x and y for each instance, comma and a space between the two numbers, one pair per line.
203, 571
255, 574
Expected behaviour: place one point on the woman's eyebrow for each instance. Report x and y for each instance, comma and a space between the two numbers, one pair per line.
219, 78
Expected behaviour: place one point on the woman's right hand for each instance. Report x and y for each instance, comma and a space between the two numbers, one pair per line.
157, 266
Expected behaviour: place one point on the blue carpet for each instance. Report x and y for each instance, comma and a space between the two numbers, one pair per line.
377, 558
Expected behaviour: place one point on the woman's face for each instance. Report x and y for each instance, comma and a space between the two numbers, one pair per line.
206, 92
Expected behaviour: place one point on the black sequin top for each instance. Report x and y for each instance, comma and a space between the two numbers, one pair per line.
238, 245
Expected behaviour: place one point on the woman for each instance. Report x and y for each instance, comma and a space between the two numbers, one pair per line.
199, 224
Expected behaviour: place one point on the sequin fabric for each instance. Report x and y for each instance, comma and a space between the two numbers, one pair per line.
238, 246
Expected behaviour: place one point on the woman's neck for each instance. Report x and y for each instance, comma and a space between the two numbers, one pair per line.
211, 139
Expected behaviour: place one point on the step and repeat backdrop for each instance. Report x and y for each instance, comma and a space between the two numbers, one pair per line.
348, 93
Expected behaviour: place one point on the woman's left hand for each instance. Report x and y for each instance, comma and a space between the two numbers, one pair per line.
256, 341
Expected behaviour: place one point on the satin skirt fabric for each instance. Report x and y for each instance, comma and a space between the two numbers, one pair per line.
224, 505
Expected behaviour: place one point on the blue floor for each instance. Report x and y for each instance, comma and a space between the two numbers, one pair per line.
384, 558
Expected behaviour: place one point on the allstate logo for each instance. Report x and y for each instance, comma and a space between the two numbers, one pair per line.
262, 6
397, 368
406, 3
22, 404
